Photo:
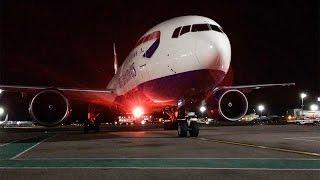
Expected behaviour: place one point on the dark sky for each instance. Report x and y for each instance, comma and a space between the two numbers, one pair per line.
69, 43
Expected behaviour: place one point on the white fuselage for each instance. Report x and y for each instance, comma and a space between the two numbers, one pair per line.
160, 56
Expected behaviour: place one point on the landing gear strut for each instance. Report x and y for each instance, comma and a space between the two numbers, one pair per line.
91, 123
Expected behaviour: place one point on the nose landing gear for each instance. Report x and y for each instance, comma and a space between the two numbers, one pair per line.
188, 125
181, 121
187, 122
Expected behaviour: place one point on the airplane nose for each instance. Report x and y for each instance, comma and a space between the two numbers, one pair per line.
214, 52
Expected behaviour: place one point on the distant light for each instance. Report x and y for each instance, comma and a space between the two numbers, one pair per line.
143, 122
314, 107
1, 91
1, 111
303, 95
261, 108
318, 99
137, 112
203, 109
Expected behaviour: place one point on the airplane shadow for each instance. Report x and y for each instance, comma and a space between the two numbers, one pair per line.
69, 133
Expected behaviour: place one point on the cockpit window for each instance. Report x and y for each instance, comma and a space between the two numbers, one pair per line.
176, 32
200, 27
215, 28
185, 29
195, 28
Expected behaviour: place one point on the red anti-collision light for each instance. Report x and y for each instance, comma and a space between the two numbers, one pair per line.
137, 112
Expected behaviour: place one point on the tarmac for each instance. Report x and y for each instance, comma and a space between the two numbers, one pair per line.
226, 152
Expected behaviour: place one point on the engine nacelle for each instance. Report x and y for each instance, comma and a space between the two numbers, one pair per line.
233, 105
49, 107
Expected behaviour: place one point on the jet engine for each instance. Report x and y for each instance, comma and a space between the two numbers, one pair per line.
49, 107
233, 105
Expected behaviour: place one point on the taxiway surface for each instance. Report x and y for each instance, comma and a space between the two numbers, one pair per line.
234, 152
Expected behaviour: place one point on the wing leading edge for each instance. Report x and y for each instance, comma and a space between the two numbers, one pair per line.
95, 96
250, 87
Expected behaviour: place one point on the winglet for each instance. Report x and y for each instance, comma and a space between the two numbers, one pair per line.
115, 64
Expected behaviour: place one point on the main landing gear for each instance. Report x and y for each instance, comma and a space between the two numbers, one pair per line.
94, 126
92, 122
171, 121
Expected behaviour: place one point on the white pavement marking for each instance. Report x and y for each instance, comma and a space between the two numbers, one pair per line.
261, 147
1, 145
311, 137
166, 168
301, 139
16, 156
129, 158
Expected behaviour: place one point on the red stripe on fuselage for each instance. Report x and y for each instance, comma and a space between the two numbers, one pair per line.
154, 35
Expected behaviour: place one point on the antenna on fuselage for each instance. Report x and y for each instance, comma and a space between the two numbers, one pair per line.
115, 63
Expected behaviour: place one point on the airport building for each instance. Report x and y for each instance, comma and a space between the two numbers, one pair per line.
303, 116
249, 117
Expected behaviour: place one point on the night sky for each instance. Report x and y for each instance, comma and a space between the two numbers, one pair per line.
69, 43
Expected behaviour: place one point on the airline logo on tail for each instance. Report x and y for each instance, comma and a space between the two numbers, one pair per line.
150, 51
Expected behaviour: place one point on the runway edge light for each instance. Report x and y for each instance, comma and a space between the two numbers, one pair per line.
314, 107
1, 111
261, 107
202, 109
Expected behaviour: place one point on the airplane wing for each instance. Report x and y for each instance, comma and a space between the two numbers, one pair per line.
246, 88
94, 96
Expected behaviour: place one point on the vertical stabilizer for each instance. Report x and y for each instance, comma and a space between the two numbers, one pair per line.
115, 64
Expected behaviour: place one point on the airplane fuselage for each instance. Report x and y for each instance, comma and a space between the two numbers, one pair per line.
189, 52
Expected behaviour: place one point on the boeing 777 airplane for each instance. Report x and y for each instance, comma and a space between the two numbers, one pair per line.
174, 67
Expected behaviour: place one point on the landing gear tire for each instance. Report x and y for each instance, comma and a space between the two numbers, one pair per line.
86, 127
182, 129
97, 127
85, 130
194, 129
167, 125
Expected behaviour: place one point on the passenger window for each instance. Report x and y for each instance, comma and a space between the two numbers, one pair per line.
215, 28
176, 32
185, 29
200, 27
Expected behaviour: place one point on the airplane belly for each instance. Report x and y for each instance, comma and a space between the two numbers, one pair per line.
173, 87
